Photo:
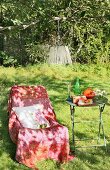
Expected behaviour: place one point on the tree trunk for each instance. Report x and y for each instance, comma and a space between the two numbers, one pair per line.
59, 55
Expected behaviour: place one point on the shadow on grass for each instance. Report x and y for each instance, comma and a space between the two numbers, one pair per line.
95, 156
92, 155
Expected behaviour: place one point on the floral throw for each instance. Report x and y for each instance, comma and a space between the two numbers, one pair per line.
34, 145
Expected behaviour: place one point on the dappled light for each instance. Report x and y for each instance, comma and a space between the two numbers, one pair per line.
56, 85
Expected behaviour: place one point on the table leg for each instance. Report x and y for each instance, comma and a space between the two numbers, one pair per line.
72, 110
101, 109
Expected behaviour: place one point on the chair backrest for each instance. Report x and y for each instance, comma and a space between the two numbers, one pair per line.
29, 95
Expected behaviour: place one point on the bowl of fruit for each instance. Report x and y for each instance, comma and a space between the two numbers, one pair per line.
89, 93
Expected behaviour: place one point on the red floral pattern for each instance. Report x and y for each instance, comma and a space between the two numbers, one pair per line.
34, 145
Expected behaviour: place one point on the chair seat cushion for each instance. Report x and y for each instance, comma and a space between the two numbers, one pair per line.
31, 116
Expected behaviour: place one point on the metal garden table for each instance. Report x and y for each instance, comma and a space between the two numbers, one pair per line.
101, 126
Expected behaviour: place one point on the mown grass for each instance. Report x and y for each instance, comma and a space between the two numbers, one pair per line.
55, 78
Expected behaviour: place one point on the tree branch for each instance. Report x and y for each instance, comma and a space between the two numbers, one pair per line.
21, 27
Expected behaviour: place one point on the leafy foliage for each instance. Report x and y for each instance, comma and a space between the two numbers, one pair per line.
86, 29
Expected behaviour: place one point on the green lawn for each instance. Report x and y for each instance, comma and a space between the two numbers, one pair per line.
55, 79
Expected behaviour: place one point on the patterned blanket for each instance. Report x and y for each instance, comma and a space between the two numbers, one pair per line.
36, 144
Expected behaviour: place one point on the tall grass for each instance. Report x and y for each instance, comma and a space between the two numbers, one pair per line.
56, 78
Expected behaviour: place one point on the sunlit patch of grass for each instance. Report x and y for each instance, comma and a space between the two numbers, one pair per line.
47, 71
47, 165
76, 164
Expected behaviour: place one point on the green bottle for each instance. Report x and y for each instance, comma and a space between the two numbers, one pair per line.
77, 90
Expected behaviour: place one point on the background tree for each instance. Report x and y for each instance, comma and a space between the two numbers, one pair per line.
27, 25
